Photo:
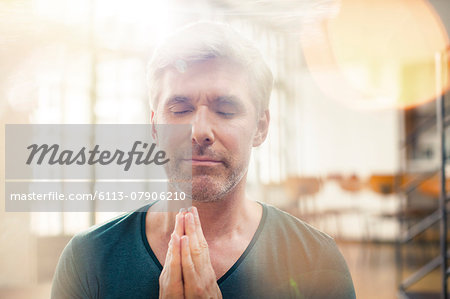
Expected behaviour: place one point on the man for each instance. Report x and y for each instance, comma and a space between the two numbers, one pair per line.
226, 245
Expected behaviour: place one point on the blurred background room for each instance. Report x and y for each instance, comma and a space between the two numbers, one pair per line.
357, 145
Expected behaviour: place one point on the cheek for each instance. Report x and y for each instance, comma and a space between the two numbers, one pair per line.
238, 140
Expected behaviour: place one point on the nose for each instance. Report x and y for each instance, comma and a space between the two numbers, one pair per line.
202, 131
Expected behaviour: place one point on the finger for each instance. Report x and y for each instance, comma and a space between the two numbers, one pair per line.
196, 217
190, 228
191, 232
188, 268
179, 223
169, 252
199, 248
174, 259
173, 256
196, 249
199, 233
198, 225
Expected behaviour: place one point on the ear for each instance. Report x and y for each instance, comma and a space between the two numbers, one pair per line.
153, 121
262, 129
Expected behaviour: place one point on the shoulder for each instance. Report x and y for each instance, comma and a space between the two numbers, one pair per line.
291, 232
81, 267
90, 247
311, 255
293, 228
109, 231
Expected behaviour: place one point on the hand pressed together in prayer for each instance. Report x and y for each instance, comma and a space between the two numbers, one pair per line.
187, 271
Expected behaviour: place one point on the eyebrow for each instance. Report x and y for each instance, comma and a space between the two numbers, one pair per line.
177, 99
227, 99
233, 100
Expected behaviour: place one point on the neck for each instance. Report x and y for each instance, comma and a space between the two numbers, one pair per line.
219, 218
226, 215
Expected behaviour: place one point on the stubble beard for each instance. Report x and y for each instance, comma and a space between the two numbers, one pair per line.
211, 188
205, 184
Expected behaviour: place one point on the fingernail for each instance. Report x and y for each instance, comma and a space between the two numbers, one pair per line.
195, 211
190, 209
182, 210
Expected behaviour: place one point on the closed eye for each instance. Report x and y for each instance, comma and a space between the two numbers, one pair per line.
225, 113
226, 107
181, 112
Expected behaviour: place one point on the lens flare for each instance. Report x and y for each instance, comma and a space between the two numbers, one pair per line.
376, 54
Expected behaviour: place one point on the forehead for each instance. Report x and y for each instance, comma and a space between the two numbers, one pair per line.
211, 78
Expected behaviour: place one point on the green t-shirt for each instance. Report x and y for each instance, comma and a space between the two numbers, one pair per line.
286, 258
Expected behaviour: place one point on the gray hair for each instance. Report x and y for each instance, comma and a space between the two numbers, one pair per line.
203, 41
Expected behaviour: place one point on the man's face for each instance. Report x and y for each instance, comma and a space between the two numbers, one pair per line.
213, 96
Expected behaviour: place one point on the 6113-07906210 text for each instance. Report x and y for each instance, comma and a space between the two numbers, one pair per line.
98, 195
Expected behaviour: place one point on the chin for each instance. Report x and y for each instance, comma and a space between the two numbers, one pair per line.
205, 191
209, 188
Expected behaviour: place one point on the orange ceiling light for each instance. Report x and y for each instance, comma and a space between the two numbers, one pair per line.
373, 54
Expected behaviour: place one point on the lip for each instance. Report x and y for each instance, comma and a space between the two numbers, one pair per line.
203, 161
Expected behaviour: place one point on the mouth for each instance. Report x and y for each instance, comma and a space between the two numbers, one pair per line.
203, 161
